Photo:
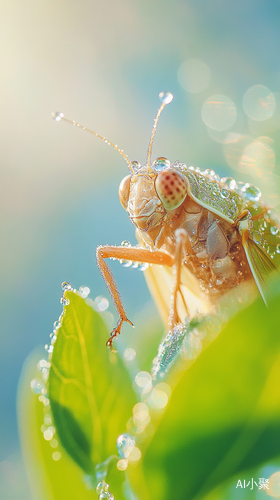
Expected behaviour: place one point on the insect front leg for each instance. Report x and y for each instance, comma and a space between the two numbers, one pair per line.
134, 254
182, 242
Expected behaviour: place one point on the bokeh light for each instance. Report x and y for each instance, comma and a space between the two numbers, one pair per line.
219, 112
194, 75
259, 103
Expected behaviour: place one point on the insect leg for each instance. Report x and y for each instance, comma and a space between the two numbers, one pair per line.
181, 242
133, 254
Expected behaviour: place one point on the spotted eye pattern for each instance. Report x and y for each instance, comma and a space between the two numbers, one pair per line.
171, 188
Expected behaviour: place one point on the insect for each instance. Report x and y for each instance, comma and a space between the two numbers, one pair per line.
200, 235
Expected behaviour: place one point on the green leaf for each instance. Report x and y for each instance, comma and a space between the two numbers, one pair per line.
90, 392
49, 479
224, 413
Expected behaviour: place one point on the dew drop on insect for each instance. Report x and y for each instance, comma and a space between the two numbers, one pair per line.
257, 237
126, 263
125, 445
278, 248
224, 193
274, 230
37, 385
241, 186
125, 243
57, 116
259, 103
219, 112
165, 97
252, 193
100, 304
229, 182
143, 379
136, 166
160, 164
129, 354
142, 266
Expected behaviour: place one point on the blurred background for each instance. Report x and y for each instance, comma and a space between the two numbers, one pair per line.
103, 64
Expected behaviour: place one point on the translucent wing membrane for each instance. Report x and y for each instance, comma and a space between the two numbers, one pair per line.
190, 299
261, 266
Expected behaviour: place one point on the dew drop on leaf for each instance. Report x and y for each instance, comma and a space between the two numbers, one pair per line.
125, 445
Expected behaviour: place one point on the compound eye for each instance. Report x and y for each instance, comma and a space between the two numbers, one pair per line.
124, 191
171, 188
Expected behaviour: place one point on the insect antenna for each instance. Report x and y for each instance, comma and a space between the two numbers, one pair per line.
60, 116
165, 98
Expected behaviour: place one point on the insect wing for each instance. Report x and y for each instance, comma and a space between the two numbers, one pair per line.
190, 299
261, 266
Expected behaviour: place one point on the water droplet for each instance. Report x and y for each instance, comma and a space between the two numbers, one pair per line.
47, 419
161, 163
56, 455
257, 237
278, 248
140, 413
142, 266
125, 243
225, 193
136, 166
48, 434
43, 363
37, 385
105, 495
101, 470
165, 97
230, 183
126, 263
66, 286
122, 464
102, 487
252, 193
194, 75
143, 379
191, 347
100, 304
259, 103
219, 112
241, 186
129, 354
158, 399
274, 230
57, 116
84, 291
125, 445
135, 455
99, 487
64, 301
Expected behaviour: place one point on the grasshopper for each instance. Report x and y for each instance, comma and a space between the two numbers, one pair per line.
200, 235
